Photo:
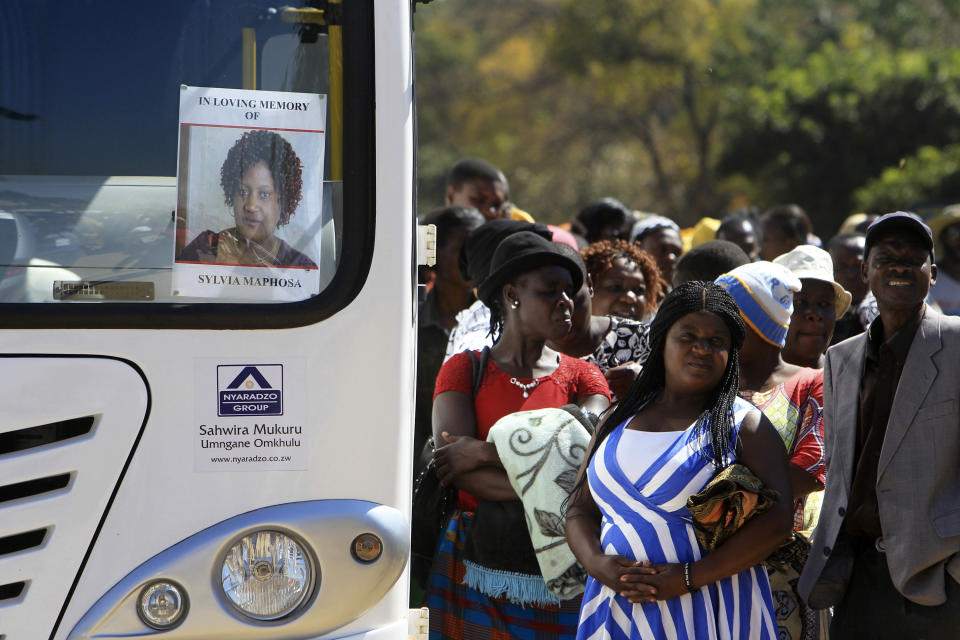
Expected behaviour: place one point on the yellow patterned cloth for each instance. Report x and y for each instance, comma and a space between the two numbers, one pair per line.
733, 496
795, 408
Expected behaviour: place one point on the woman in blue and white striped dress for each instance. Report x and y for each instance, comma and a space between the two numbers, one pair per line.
627, 520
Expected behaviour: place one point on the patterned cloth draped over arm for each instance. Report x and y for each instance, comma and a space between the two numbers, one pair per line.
541, 452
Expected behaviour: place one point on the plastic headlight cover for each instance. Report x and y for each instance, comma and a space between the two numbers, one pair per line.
266, 575
162, 604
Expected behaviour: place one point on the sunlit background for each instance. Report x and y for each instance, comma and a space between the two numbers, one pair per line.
695, 108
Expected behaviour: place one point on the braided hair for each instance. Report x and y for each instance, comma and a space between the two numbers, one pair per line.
713, 428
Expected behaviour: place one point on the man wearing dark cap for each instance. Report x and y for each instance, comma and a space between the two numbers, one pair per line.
473, 323
886, 552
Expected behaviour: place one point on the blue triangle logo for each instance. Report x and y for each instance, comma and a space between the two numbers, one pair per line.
248, 372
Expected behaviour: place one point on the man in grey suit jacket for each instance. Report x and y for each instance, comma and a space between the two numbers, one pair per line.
886, 553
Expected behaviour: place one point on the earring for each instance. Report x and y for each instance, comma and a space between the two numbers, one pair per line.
515, 304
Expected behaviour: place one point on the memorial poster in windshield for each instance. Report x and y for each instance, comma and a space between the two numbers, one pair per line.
249, 194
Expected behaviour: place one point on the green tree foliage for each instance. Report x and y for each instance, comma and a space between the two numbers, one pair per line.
650, 75
687, 107
814, 134
476, 64
930, 176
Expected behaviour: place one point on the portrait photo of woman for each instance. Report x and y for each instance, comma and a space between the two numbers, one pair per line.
262, 183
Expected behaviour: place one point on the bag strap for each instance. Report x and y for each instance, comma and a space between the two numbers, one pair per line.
479, 368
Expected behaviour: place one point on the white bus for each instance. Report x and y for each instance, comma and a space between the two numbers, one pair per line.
229, 460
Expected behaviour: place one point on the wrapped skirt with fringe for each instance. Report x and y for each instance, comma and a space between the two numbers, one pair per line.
458, 612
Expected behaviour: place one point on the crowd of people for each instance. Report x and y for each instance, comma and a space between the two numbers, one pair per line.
735, 430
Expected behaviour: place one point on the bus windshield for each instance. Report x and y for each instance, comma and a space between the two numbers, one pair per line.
92, 136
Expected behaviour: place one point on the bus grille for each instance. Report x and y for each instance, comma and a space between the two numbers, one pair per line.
20, 439
58, 474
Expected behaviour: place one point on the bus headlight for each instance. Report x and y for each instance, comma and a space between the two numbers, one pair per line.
266, 575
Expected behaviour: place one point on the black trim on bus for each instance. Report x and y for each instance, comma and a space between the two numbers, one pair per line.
31, 488
30, 437
415, 249
22, 541
359, 226
11, 591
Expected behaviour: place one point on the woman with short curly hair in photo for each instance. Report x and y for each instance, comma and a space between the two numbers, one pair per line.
262, 179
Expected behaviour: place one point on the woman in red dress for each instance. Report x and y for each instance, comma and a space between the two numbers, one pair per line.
529, 292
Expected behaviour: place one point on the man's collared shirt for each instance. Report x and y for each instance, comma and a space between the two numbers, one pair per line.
885, 357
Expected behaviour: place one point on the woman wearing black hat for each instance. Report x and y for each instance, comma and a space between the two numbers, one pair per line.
472, 330
529, 290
